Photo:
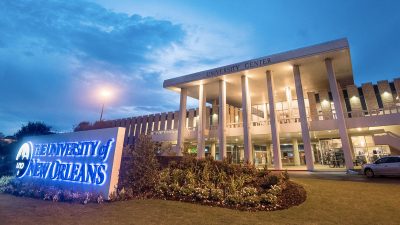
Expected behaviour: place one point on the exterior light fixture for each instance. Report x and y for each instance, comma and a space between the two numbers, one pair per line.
385, 94
105, 95
325, 102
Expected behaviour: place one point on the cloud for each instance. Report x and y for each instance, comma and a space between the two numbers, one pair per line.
53, 53
201, 49
56, 55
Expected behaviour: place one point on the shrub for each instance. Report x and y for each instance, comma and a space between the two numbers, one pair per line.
248, 191
268, 198
5, 182
141, 170
233, 199
216, 195
265, 180
275, 190
51, 193
252, 201
202, 193
220, 183
187, 191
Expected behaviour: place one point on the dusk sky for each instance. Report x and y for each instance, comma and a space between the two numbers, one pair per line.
55, 56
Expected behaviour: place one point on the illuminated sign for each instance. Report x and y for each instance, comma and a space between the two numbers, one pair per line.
81, 161
255, 63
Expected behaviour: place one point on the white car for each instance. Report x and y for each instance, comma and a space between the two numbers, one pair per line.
389, 165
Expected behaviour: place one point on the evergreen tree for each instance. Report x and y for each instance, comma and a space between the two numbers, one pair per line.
142, 169
33, 129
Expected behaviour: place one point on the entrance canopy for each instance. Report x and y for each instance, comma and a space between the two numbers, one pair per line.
312, 67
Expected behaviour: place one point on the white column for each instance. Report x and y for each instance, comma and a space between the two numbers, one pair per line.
246, 109
274, 123
344, 136
289, 100
201, 125
296, 155
305, 132
222, 120
213, 150
182, 122
214, 116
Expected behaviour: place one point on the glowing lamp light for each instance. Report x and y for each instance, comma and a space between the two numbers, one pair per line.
325, 102
359, 129
105, 93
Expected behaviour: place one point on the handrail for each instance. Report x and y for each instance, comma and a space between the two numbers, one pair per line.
233, 125
393, 134
387, 133
158, 132
374, 112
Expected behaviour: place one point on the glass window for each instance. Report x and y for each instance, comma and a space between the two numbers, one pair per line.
382, 160
393, 160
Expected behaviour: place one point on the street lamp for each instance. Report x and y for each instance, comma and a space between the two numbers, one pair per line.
105, 94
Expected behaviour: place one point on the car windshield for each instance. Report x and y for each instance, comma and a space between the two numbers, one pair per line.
393, 160
382, 160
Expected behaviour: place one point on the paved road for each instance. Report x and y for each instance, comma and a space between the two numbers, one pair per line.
352, 176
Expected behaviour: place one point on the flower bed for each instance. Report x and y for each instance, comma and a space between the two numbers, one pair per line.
222, 184
204, 181
50, 193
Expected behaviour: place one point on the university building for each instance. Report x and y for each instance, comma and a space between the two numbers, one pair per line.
294, 110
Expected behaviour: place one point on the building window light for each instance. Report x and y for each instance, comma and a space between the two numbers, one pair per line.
325, 102
385, 94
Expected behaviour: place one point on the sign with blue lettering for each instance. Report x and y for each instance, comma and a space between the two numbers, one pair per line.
79, 161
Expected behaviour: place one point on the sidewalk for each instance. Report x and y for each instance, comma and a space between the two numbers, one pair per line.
343, 176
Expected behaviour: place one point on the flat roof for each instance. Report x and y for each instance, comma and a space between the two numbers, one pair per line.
304, 52
312, 68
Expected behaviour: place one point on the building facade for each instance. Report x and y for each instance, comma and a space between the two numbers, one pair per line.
294, 110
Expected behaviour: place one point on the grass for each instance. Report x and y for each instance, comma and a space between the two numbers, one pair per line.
328, 202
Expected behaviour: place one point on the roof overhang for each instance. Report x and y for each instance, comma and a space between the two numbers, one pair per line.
311, 61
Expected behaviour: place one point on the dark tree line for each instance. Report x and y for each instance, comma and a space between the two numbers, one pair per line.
9, 150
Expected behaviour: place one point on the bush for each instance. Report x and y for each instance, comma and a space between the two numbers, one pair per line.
252, 201
51, 193
216, 195
5, 183
233, 199
140, 172
219, 183
268, 198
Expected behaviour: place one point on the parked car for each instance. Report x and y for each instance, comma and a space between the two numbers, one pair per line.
388, 165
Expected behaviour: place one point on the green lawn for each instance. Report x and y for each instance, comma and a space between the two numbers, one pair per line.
328, 202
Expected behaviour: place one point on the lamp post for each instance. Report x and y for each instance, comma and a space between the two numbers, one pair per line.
101, 114
104, 94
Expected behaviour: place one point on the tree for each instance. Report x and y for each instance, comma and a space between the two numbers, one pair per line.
1, 135
84, 125
33, 129
141, 170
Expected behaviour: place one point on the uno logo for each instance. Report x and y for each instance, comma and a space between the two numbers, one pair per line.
23, 158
